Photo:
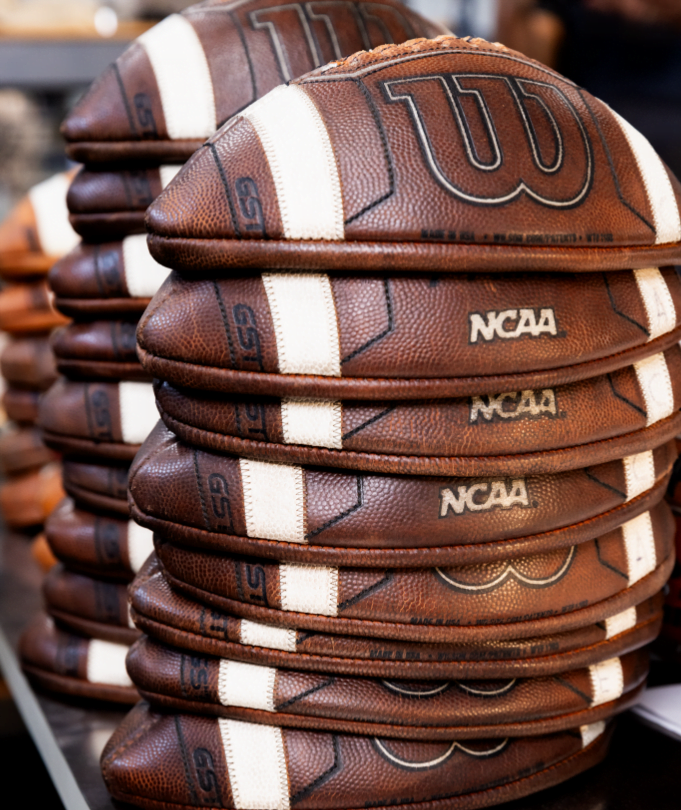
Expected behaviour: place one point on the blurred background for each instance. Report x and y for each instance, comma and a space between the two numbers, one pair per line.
627, 52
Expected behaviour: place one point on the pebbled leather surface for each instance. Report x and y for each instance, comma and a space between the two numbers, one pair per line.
405, 336
121, 117
28, 362
544, 430
524, 596
90, 282
55, 660
181, 681
196, 498
146, 762
177, 620
97, 486
84, 418
415, 189
81, 602
21, 405
92, 543
110, 203
98, 350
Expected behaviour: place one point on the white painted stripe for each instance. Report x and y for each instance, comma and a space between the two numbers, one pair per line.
274, 500
48, 200
303, 165
138, 411
256, 764
131, 623
265, 635
657, 301
639, 473
614, 625
183, 77
106, 663
607, 681
140, 545
168, 173
309, 589
305, 323
657, 184
591, 732
315, 423
247, 685
656, 387
639, 544
143, 274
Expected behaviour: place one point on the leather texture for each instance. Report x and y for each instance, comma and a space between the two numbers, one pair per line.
21, 405
439, 191
317, 769
98, 350
544, 430
84, 418
249, 49
57, 660
26, 308
108, 204
176, 620
517, 598
102, 487
89, 605
98, 544
405, 336
28, 362
90, 282
197, 498
181, 681
22, 449
27, 499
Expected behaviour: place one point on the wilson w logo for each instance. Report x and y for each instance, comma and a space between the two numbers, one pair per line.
483, 496
489, 139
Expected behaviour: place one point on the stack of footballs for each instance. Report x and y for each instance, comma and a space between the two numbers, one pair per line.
33, 236
419, 379
132, 131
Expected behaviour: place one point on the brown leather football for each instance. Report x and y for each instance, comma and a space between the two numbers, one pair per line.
27, 499
107, 204
37, 231
102, 420
535, 595
325, 517
98, 544
109, 279
102, 487
84, 667
181, 681
22, 449
547, 430
177, 620
21, 405
433, 155
386, 336
159, 761
28, 307
89, 605
98, 350
28, 362
180, 80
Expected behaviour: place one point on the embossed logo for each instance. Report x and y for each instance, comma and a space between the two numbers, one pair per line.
513, 405
509, 137
483, 496
512, 323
